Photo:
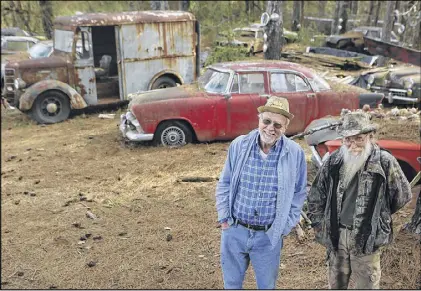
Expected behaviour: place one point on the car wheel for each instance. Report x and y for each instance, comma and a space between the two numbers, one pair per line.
50, 107
163, 82
173, 133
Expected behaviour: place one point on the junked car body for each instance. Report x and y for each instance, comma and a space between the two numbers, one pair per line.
353, 40
400, 84
251, 38
223, 103
14, 47
122, 53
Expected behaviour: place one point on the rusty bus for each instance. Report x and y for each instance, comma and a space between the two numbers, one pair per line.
101, 58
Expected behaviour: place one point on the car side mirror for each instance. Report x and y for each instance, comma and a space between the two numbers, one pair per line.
227, 96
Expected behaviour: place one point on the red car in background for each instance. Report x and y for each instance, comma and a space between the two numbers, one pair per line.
223, 103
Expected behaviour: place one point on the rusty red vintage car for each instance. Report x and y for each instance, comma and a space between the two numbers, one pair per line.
223, 103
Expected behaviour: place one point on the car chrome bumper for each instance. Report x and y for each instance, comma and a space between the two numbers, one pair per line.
395, 94
127, 121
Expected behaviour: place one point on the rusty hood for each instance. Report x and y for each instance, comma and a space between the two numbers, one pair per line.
34, 70
174, 93
41, 63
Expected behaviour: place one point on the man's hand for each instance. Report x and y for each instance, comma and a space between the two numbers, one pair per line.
224, 225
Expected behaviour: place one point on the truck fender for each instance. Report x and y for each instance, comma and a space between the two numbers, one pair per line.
162, 73
31, 93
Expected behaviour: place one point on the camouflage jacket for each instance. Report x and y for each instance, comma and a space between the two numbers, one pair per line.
383, 189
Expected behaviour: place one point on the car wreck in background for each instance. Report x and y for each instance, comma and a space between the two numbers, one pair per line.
353, 40
122, 53
223, 103
14, 47
251, 38
401, 85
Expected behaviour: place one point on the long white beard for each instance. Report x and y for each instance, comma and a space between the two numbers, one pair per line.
268, 139
353, 163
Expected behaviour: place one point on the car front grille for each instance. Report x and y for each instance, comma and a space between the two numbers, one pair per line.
9, 78
394, 92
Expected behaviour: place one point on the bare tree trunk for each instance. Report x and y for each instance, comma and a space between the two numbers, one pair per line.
184, 5
388, 21
369, 21
416, 42
296, 11
24, 15
354, 7
274, 31
344, 16
47, 17
335, 23
397, 5
13, 13
159, 5
376, 16
301, 11
247, 2
322, 7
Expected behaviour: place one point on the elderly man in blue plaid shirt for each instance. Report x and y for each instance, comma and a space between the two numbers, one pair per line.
259, 197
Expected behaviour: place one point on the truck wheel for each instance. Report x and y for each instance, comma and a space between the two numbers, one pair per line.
50, 107
163, 82
172, 133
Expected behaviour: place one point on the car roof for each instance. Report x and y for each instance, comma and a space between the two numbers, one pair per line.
263, 65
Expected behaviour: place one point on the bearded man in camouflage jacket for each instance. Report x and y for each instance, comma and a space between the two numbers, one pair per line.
351, 203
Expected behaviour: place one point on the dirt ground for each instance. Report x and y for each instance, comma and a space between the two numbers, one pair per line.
151, 229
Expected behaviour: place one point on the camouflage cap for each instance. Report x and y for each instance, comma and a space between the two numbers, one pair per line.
355, 123
279, 105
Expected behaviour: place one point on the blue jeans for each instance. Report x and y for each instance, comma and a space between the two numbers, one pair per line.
239, 246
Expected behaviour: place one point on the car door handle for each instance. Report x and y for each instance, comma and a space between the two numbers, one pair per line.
265, 96
311, 95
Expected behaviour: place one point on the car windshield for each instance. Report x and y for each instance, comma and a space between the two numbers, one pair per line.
244, 33
318, 83
19, 46
214, 81
40, 50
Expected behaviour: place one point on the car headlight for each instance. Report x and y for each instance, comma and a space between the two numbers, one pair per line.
409, 92
408, 83
19, 83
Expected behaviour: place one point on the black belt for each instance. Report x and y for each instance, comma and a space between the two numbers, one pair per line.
345, 226
253, 227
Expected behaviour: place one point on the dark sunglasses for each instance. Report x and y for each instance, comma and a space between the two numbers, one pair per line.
267, 121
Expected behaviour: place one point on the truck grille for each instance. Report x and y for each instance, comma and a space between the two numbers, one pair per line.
9, 78
386, 92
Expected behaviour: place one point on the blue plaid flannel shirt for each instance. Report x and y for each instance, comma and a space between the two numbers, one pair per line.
255, 201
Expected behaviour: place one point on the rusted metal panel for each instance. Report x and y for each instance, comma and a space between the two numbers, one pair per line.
35, 70
119, 18
28, 98
86, 85
155, 48
399, 53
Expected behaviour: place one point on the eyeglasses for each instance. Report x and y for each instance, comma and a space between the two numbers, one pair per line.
268, 121
359, 140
